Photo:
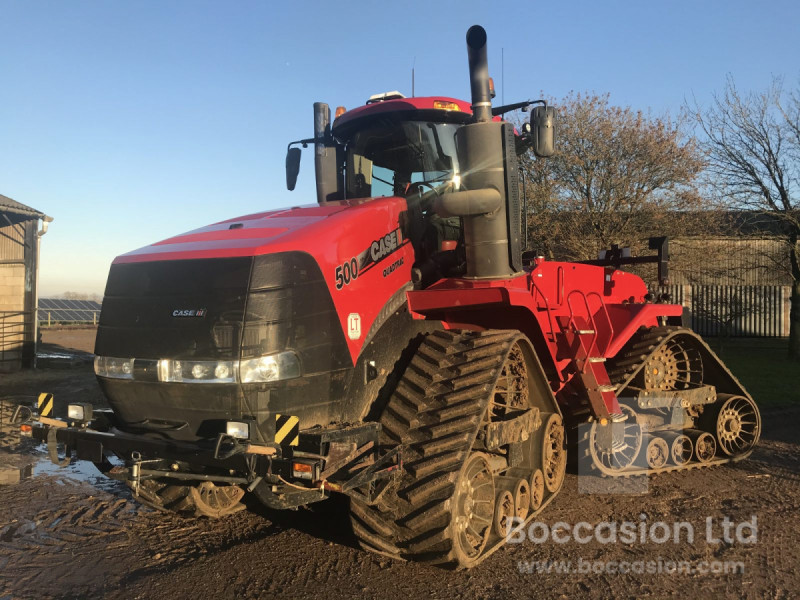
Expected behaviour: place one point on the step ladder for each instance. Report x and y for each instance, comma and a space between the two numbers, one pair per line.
591, 380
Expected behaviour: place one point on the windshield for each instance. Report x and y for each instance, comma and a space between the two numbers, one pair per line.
402, 158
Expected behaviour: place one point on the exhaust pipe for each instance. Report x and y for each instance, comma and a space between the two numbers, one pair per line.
479, 74
489, 204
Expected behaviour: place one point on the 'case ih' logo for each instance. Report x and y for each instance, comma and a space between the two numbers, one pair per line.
189, 312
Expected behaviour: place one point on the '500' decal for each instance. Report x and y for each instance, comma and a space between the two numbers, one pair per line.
346, 273
376, 252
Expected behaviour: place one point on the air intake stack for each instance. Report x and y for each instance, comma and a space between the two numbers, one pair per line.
489, 203
325, 156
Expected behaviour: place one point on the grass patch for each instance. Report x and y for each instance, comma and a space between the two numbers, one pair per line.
761, 364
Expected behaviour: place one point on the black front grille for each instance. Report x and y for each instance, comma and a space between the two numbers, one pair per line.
139, 317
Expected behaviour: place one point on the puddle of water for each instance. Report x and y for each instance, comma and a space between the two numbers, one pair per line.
79, 470
56, 355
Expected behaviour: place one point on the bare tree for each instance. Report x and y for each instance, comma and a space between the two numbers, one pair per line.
753, 145
81, 296
619, 177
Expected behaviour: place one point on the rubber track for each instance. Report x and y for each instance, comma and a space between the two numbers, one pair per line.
623, 370
437, 409
627, 364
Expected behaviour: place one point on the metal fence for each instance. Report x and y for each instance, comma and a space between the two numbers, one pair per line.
16, 335
59, 310
737, 311
53, 317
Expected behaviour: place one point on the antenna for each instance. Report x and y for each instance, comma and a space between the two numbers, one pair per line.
503, 75
412, 76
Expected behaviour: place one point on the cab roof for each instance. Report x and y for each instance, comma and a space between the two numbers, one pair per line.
426, 103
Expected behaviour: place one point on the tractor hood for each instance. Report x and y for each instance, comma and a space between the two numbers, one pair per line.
250, 235
223, 297
348, 250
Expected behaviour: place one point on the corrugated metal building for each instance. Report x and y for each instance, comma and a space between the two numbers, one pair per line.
736, 285
735, 310
736, 281
19, 257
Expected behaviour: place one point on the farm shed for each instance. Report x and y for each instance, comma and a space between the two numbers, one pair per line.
19, 259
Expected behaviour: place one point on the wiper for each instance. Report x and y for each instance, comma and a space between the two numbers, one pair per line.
441, 156
439, 149
501, 110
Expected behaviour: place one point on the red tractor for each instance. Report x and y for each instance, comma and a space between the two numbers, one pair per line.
394, 344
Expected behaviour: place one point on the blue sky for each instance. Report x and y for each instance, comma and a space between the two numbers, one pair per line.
132, 121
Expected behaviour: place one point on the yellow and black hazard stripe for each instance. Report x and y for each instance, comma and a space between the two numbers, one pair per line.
44, 404
287, 430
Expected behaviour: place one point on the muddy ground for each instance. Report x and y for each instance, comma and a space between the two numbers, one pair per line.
70, 534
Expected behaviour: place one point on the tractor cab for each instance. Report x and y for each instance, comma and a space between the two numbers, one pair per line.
400, 147
391, 146
391, 156
395, 147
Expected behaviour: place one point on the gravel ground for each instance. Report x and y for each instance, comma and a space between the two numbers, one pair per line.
77, 338
71, 534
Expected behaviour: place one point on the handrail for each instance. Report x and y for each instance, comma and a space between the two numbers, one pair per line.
546, 307
589, 315
560, 285
608, 318
561, 375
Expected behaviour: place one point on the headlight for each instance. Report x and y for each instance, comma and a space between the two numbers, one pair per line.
237, 429
197, 371
114, 368
81, 411
274, 367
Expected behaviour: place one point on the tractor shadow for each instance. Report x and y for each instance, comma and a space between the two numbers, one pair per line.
328, 520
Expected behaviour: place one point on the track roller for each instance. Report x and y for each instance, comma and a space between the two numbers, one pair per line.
537, 490
704, 445
681, 449
522, 499
205, 499
504, 509
657, 452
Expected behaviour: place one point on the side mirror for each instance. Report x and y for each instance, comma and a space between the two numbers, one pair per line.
543, 121
292, 167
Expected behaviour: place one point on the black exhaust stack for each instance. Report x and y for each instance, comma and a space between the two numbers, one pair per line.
479, 74
490, 203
